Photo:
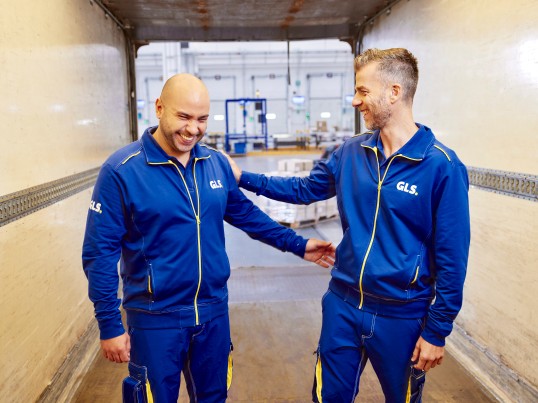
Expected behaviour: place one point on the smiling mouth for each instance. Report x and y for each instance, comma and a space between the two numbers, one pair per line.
186, 137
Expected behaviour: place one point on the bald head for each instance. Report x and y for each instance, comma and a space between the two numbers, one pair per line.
184, 85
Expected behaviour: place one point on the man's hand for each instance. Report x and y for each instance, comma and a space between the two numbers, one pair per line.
235, 168
427, 355
117, 349
320, 252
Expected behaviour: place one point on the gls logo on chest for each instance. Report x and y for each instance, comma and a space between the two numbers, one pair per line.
404, 187
215, 184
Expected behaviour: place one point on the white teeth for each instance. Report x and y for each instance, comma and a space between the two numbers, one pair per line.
186, 137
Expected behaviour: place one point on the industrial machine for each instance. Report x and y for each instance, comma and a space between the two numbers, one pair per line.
252, 113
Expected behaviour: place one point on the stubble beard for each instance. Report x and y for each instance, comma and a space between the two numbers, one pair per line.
380, 114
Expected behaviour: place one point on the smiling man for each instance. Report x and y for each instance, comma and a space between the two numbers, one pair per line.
182, 120
158, 207
397, 282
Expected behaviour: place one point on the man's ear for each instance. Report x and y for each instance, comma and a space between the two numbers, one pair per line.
158, 108
395, 92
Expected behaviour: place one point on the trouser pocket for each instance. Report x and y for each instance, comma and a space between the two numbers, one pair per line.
135, 388
416, 385
316, 387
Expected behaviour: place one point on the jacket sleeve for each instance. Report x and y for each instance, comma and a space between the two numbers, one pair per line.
243, 214
319, 185
451, 251
101, 251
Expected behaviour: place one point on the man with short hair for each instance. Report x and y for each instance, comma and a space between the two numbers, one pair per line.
159, 203
397, 281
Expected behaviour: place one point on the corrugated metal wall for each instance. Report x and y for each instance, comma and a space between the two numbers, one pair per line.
64, 108
479, 79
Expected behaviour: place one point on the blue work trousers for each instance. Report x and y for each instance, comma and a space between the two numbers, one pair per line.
202, 352
349, 338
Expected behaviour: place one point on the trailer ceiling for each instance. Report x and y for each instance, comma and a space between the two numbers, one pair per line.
245, 20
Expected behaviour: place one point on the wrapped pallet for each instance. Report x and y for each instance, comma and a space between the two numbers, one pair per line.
295, 215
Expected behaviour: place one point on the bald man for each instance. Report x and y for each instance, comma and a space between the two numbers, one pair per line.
158, 207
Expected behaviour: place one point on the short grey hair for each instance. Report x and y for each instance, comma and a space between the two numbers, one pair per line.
396, 64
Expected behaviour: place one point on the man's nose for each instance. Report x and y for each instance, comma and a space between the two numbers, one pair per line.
192, 127
356, 101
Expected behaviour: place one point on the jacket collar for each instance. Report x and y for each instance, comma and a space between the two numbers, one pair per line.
155, 154
415, 148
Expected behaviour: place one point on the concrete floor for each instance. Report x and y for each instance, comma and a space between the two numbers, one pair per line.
275, 316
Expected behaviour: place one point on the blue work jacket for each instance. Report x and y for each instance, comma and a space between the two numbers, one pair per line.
405, 222
165, 221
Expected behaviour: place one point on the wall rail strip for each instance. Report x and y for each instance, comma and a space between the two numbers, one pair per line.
19, 204
523, 186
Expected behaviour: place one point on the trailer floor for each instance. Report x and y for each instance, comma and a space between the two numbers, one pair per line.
275, 317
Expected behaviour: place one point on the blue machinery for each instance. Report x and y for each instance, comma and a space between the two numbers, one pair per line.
240, 146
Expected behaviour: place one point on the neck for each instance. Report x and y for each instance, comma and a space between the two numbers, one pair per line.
397, 132
183, 158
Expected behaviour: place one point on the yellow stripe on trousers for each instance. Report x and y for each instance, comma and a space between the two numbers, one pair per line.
318, 379
230, 371
148, 392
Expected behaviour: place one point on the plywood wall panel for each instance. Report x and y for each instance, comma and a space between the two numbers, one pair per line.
64, 95
477, 90
478, 82
63, 107
44, 307
500, 298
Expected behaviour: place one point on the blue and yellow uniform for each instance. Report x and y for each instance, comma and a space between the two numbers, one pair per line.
165, 221
401, 264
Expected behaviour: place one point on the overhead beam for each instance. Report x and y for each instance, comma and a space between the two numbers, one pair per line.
182, 33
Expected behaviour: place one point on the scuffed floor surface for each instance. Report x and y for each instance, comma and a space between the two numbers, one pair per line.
275, 315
